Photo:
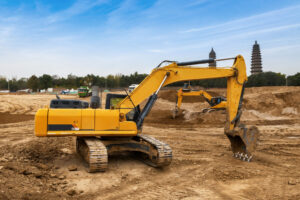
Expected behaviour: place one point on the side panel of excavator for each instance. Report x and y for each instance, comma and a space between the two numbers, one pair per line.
82, 122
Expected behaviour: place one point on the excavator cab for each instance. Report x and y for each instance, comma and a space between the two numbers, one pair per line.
112, 100
186, 87
216, 100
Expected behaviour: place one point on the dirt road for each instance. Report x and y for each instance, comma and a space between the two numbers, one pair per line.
202, 167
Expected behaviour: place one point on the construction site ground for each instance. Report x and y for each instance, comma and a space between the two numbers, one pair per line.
202, 166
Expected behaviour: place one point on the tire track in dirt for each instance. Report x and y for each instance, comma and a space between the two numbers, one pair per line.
157, 187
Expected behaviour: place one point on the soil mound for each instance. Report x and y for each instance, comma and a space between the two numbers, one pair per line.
283, 103
13, 118
259, 107
29, 171
44, 150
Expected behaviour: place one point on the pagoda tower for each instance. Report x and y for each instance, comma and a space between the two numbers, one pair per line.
256, 65
212, 55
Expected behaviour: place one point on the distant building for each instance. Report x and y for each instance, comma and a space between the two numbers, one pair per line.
212, 55
256, 64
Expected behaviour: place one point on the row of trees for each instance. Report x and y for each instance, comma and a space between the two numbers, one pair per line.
255, 80
119, 80
46, 81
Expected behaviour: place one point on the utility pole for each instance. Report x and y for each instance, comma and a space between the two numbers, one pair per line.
8, 85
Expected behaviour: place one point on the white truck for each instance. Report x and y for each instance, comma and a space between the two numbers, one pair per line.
132, 87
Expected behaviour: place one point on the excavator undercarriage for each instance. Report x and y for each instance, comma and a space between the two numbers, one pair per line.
95, 150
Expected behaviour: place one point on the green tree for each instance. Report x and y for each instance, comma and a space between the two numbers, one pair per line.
45, 81
100, 81
13, 85
3, 83
70, 82
266, 79
212, 83
33, 83
22, 83
117, 80
294, 80
89, 80
110, 80
56, 81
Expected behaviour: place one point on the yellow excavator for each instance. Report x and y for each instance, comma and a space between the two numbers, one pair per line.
118, 127
216, 103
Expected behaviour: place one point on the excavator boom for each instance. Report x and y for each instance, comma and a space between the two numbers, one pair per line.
174, 74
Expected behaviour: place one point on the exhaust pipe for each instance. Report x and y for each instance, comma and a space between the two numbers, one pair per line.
95, 99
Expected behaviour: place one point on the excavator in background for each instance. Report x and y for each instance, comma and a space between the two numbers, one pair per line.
102, 131
216, 103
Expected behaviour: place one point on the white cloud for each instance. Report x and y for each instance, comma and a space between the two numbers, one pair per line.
248, 21
80, 6
155, 50
197, 3
5, 33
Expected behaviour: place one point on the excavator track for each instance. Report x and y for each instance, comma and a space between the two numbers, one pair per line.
94, 152
160, 154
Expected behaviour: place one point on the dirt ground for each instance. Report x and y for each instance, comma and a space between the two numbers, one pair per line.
202, 166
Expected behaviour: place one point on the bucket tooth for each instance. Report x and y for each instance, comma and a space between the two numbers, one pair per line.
241, 156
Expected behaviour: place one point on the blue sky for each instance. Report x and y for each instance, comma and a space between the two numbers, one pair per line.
60, 37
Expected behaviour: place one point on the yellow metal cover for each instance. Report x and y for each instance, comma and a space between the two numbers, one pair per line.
40, 128
65, 116
106, 119
87, 119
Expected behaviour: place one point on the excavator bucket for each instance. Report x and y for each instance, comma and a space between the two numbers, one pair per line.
175, 113
243, 141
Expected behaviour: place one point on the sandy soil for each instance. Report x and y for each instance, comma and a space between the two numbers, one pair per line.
202, 167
